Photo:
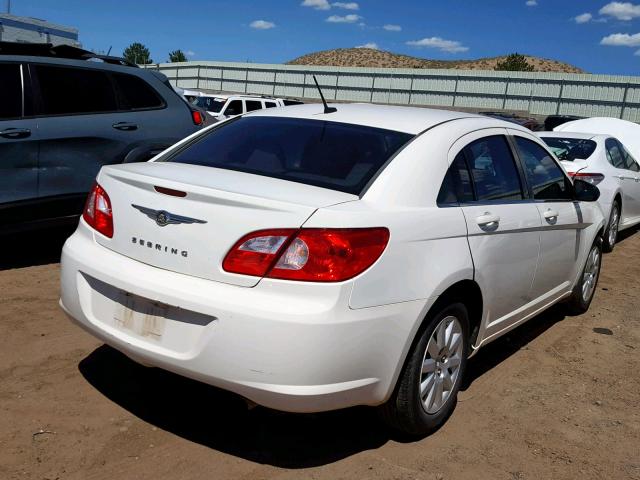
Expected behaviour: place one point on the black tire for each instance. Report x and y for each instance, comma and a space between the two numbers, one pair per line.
405, 411
608, 243
577, 304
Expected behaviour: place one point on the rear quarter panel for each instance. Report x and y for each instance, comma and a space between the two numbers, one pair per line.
428, 249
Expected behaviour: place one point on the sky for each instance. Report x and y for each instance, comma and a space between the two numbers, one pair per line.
596, 35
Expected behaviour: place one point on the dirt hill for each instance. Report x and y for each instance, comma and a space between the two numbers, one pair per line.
368, 57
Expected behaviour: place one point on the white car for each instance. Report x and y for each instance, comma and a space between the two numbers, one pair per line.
602, 160
312, 261
226, 106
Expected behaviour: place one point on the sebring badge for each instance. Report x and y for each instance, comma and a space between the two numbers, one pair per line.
164, 218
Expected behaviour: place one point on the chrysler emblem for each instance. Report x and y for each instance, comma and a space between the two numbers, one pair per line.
164, 218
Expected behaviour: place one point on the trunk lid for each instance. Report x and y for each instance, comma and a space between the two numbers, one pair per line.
220, 206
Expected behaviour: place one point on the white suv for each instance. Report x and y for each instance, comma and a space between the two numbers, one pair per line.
225, 106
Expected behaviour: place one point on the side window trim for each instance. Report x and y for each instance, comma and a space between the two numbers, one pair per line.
22, 112
527, 189
465, 157
29, 91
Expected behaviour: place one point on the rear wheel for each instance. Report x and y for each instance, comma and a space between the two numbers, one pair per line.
585, 287
428, 386
611, 234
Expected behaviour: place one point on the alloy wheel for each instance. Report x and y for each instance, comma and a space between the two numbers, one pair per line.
441, 364
614, 223
590, 274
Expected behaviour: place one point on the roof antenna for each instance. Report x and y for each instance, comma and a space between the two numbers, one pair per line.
327, 108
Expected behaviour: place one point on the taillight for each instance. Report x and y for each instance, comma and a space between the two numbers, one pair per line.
97, 211
197, 117
308, 254
592, 178
255, 253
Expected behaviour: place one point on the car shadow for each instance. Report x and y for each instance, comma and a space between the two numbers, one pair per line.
220, 420
496, 352
39, 247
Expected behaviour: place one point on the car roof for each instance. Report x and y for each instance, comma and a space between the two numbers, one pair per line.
72, 62
411, 120
577, 135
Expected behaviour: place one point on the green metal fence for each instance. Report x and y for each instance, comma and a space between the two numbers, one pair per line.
536, 93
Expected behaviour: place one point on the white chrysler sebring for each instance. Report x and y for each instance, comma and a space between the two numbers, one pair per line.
312, 260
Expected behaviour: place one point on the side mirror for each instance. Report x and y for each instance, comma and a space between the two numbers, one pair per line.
584, 191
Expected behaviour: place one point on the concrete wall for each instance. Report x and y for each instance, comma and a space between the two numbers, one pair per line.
536, 93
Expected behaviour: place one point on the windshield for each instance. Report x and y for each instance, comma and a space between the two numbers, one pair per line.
333, 155
570, 148
210, 104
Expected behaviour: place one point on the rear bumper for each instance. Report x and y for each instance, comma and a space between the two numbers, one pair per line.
285, 345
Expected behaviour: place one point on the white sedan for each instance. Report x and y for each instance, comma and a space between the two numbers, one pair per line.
604, 161
312, 261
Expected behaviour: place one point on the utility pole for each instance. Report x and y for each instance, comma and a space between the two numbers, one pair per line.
9, 6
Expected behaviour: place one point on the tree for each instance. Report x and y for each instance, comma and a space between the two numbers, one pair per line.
515, 63
177, 56
137, 53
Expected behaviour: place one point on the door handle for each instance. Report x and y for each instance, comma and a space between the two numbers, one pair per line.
15, 133
488, 220
126, 126
550, 215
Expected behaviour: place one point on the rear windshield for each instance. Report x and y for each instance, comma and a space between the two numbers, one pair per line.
333, 155
570, 148
210, 104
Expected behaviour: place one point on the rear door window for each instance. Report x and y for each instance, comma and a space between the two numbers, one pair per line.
493, 170
456, 187
253, 105
270, 104
135, 94
333, 155
10, 91
210, 104
614, 153
629, 162
68, 91
234, 108
545, 177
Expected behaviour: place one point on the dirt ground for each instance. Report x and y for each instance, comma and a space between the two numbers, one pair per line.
557, 398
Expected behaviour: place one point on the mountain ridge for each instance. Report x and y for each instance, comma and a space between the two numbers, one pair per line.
373, 58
